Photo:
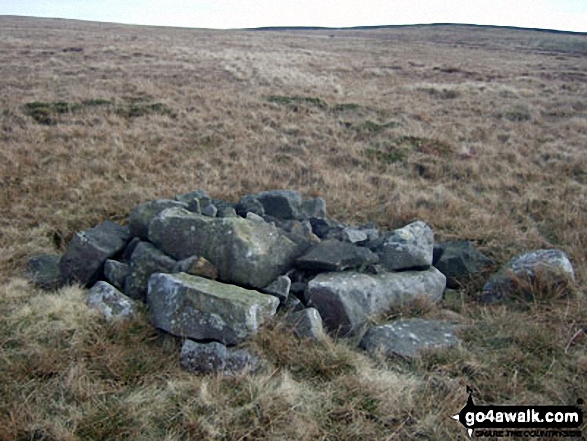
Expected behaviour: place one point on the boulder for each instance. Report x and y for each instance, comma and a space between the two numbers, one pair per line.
325, 228
44, 272
202, 309
551, 267
347, 300
333, 255
410, 247
115, 273
279, 288
306, 324
87, 251
282, 204
214, 357
245, 253
145, 260
314, 207
406, 338
143, 214
459, 261
111, 302
196, 266
249, 204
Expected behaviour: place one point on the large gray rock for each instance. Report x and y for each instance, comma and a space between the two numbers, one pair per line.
143, 214
410, 247
333, 255
282, 204
406, 338
202, 309
459, 261
214, 357
88, 250
111, 302
145, 261
44, 272
306, 324
244, 252
551, 267
347, 300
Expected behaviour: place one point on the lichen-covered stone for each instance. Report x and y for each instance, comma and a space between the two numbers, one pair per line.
145, 260
410, 247
111, 302
143, 214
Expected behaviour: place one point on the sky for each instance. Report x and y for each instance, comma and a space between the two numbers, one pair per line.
569, 15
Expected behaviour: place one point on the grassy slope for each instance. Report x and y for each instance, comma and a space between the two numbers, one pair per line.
479, 132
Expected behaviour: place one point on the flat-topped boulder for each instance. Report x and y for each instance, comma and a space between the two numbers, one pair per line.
202, 309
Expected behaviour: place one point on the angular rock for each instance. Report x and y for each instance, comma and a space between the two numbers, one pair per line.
249, 204
129, 249
244, 252
88, 250
282, 204
226, 212
460, 261
347, 300
314, 207
44, 272
196, 266
111, 302
549, 266
279, 288
333, 255
145, 260
253, 217
187, 198
306, 323
293, 304
326, 228
202, 309
301, 234
406, 338
354, 236
207, 207
410, 247
115, 273
214, 357
143, 214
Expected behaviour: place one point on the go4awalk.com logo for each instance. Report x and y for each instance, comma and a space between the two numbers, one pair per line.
521, 421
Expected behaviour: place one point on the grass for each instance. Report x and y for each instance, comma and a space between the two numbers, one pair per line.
425, 128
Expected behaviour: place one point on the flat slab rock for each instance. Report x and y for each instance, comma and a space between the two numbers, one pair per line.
214, 357
406, 338
347, 300
333, 255
201, 309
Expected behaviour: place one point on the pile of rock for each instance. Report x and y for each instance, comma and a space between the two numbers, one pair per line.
212, 272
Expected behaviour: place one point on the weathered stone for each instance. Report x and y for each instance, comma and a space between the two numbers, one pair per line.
406, 338
459, 261
214, 357
187, 198
145, 260
314, 207
207, 207
254, 218
354, 235
410, 247
279, 288
44, 272
202, 309
301, 234
227, 212
196, 266
129, 249
333, 255
347, 300
306, 323
111, 302
244, 252
88, 250
293, 304
283, 204
551, 267
326, 228
249, 204
194, 206
143, 214
115, 273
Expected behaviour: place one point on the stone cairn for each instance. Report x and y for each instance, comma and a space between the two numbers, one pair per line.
212, 272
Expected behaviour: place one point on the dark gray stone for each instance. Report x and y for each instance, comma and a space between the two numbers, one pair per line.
333, 255
202, 309
282, 204
306, 324
115, 273
143, 214
249, 204
207, 208
227, 212
279, 288
44, 272
214, 357
293, 304
326, 228
146, 260
314, 207
410, 247
187, 198
111, 302
551, 267
347, 300
459, 261
406, 338
84, 258
129, 249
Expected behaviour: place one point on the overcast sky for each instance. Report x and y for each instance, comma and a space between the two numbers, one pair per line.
568, 15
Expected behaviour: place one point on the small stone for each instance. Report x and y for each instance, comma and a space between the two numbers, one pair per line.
249, 204
197, 266
44, 272
307, 323
279, 288
459, 261
214, 357
354, 236
314, 207
115, 273
254, 217
111, 302
333, 255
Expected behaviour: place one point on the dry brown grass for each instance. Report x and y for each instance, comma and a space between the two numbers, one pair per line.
479, 132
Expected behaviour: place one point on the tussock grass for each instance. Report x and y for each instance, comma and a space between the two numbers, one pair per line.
479, 132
